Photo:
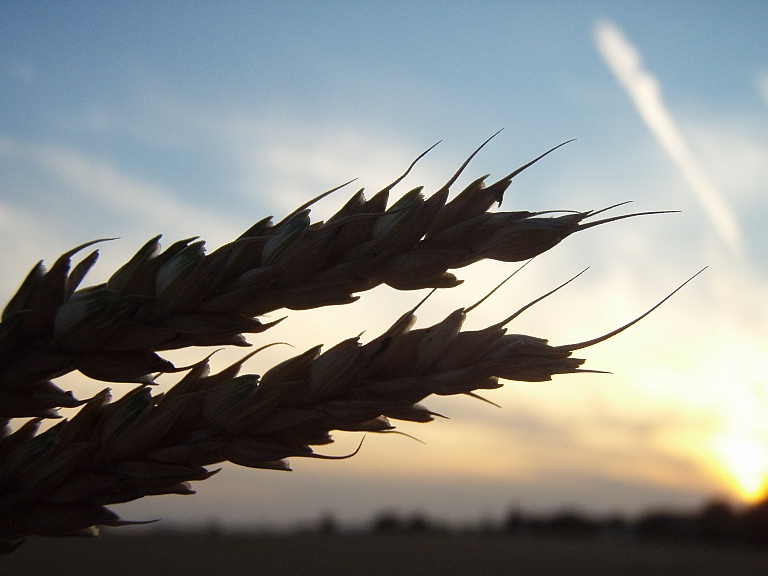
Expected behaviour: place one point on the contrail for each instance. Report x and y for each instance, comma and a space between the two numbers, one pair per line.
626, 63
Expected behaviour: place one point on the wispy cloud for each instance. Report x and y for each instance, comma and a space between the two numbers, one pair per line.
626, 63
105, 185
274, 161
297, 159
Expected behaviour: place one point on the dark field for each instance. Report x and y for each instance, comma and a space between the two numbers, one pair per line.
367, 555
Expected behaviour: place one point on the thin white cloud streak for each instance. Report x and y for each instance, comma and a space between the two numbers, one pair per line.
625, 61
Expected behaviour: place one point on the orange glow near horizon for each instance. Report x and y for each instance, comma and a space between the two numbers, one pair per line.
744, 462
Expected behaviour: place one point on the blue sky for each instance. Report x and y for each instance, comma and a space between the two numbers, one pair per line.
200, 118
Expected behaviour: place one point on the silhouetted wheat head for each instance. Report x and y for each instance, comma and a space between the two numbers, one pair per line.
60, 481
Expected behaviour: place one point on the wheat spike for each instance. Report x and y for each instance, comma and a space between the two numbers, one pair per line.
181, 297
59, 482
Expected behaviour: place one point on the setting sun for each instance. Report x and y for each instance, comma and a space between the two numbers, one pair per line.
744, 461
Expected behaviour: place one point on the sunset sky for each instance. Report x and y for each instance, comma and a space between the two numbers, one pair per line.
197, 119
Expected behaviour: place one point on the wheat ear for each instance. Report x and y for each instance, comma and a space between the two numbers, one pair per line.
181, 297
60, 482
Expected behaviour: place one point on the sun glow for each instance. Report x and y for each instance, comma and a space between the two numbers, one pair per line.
744, 461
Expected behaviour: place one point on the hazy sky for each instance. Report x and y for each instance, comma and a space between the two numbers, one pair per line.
201, 118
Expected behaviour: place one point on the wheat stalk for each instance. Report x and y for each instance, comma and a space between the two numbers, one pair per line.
59, 482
